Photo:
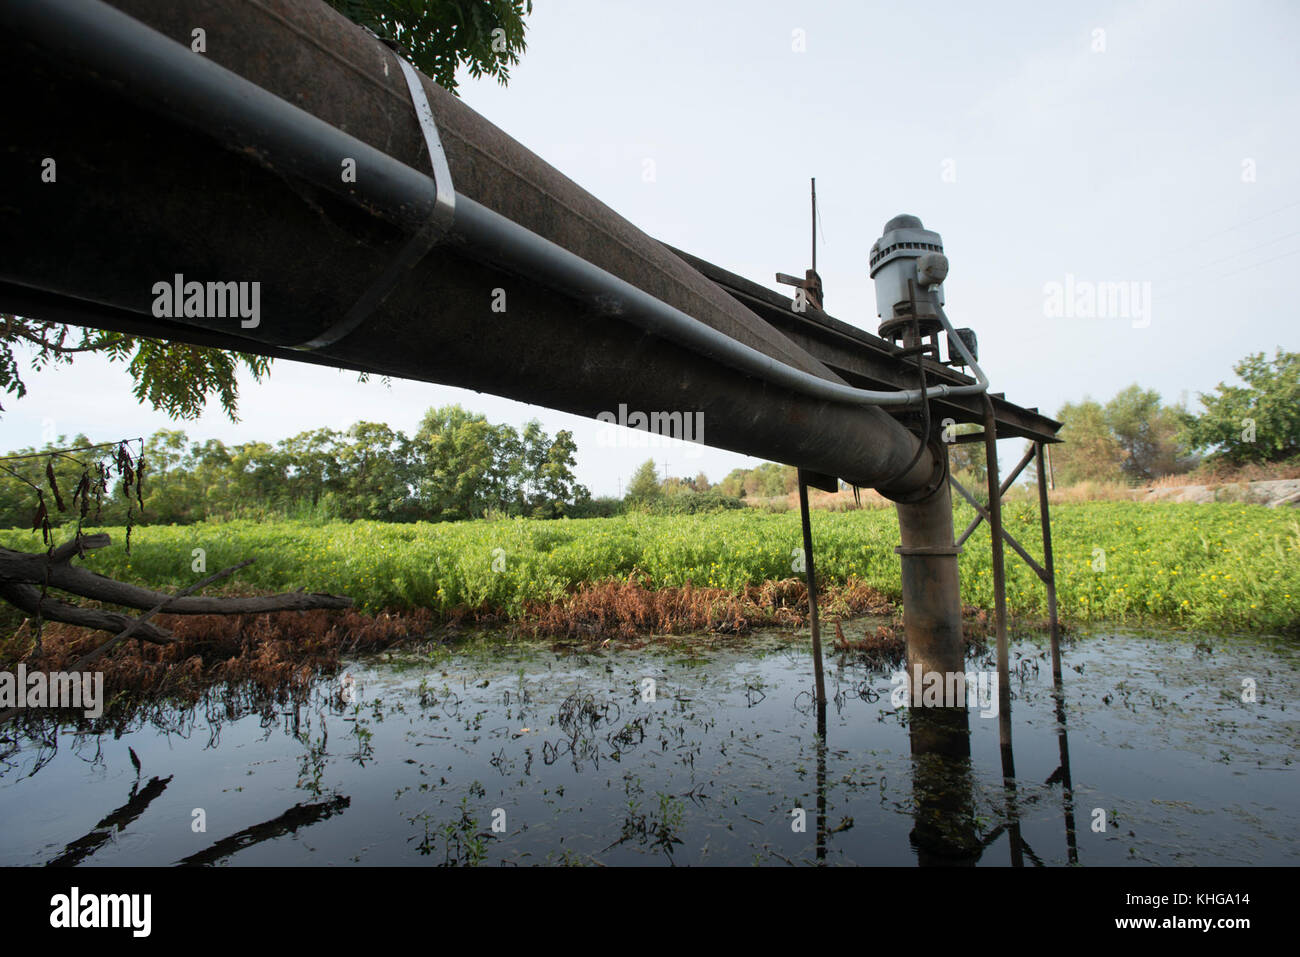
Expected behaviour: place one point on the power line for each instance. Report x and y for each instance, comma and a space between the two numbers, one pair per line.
1215, 262
1256, 265
1228, 229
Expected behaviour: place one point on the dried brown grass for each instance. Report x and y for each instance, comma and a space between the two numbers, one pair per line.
281, 654
626, 610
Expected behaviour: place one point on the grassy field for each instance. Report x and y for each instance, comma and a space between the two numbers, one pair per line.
1225, 567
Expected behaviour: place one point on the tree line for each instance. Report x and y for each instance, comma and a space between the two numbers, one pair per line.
1136, 437
457, 465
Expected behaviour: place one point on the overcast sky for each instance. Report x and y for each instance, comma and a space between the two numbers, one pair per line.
1150, 143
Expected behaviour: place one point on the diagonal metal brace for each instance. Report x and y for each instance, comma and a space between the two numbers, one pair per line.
1006, 484
1039, 570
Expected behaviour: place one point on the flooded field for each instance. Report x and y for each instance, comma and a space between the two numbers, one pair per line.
690, 752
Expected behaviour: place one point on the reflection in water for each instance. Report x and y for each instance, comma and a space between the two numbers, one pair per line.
300, 815
579, 767
1009, 774
944, 832
1062, 773
115, 822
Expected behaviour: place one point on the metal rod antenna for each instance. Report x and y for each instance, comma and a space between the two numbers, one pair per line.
814, 223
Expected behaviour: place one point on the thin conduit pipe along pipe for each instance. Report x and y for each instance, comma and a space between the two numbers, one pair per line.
157, 69
509, 245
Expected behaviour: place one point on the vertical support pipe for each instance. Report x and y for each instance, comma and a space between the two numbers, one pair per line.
1000, 606
1050, 567
1058, 687
931, 588
819, 677
812, 597
999, 568
940, 736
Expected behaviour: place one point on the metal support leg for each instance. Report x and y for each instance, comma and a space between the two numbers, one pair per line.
999, 568
820, 679
812, 594
1058, 687
1049, 567
1000, 605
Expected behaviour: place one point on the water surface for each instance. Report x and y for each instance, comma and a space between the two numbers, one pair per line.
562, 751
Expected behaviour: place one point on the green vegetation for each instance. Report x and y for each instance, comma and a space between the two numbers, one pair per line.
457, 465
438, 36
1220, 566
1255, 423
1135, 437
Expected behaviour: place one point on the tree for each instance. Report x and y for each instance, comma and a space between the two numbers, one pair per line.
467, 467
173, 377
644, 487
458, 457
373, 478
535, 443
733, 484
1148, 433
771, 480
437, 36
557, 479
1258, 422
171, 497
259, 475
311, 464
1089, 450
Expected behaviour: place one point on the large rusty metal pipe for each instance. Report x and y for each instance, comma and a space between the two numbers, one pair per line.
268, 211
931, 587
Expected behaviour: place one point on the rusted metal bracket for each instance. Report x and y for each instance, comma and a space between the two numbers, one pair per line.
819, 480
1046, 570
983, 513
811, 285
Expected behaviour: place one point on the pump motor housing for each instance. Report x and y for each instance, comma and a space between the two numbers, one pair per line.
908, 251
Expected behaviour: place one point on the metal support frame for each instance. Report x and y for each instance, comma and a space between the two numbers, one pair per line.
1046, 572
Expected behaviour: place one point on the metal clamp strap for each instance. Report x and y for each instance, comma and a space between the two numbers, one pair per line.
417, 247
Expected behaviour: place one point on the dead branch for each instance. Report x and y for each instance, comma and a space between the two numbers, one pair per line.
135, 624
27, 599
54, 571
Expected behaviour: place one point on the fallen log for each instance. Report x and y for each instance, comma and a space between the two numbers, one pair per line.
133, 625
25, 577
27, 599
